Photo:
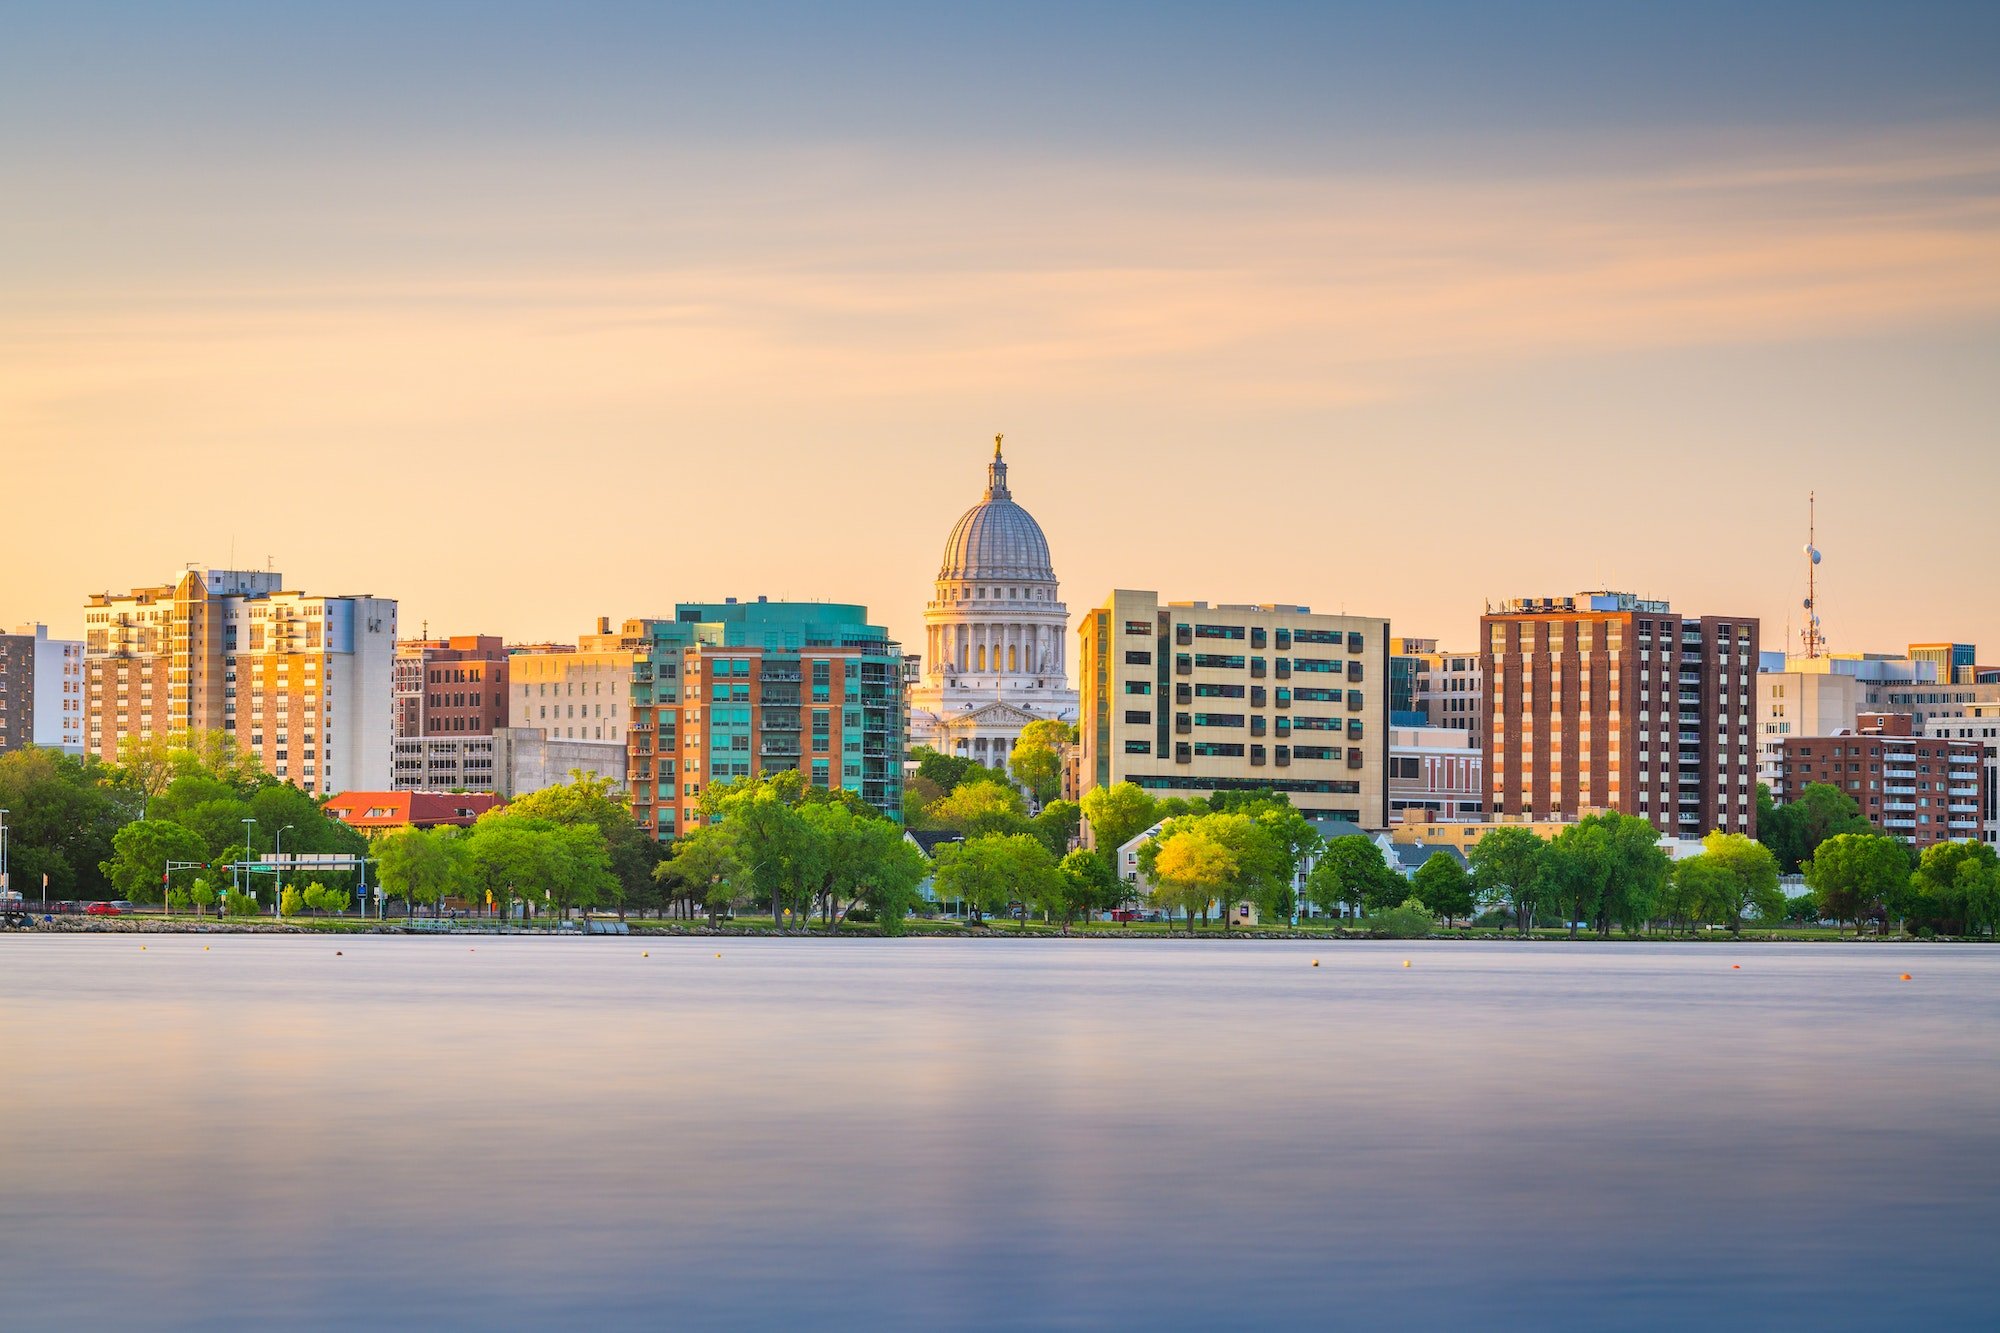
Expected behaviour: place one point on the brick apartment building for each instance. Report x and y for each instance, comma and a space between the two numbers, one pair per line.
1922, 789
1602, 701
451, 697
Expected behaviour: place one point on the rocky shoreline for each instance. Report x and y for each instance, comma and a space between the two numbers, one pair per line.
85, 925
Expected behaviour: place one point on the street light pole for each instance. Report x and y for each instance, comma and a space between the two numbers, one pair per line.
5, 883
249, 875
278, 856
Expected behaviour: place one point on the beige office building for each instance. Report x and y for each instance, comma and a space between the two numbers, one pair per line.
1186, 699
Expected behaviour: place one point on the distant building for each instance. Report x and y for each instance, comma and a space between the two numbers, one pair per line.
301, 682
730, 690
49, 699
570, 706
1463, 835
1926, 700
1919, 788
450, 698
995, 634
1435, 773
1605, 701
387, 811
17, 692
1186, 699
1979, 724
1434, 688
1957, 663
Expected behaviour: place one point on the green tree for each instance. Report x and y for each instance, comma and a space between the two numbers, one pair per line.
1444, 886
62, 815
1118, 814
1087, 884
588, 800
1795, 830
1855, 874
424, 865
863, 859
977, 809
139, 855
1036, 761
990, 872
768, 851
947, 772
1689, 895
291, 902
1351, 871
1055, 827
1194, 868
1955, 889
1409, 921
1507, 870
1743, 877
202, 894
238, 903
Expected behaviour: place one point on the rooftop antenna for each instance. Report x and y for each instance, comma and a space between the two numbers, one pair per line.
1814, 640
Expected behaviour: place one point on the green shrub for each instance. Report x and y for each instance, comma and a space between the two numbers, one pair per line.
291, 902
237, 903
322, 899
1411, 921
861, 915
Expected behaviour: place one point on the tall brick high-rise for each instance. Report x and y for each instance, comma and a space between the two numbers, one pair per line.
1601, 701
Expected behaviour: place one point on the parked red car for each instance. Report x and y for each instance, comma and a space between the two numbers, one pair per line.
101, 909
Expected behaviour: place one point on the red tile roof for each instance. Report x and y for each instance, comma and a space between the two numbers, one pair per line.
370, 810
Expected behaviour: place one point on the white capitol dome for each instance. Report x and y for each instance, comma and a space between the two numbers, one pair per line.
996, 538
996, 632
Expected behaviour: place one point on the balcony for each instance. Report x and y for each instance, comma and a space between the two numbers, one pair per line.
1965, 791
1899, 823
779, 748
1965, 825
1904, 806
1901, 791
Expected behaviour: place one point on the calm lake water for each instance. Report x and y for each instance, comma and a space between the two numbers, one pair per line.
435, 1133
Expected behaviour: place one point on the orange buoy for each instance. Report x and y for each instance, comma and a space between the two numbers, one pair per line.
1406, 962
1906, 976
645, 955
1315, 962
1736, 967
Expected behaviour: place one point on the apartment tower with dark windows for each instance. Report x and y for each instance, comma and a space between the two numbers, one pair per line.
1605, 701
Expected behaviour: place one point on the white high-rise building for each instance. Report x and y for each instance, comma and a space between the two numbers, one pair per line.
58, 689
996, 633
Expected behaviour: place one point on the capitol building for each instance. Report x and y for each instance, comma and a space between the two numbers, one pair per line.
996, 633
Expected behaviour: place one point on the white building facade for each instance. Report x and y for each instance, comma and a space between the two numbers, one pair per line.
996, 634
58, 690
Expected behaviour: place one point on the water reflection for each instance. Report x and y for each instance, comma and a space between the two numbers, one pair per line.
426, 1133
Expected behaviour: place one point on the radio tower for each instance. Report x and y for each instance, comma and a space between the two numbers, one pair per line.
1814, 640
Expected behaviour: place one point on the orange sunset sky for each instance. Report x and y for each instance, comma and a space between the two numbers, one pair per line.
524, 316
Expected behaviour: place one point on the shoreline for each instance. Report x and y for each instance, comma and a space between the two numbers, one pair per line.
64, 925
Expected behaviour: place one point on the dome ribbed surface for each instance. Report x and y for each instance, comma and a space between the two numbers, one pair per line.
997, 539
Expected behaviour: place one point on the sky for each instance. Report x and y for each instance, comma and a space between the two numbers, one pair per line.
529, 314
